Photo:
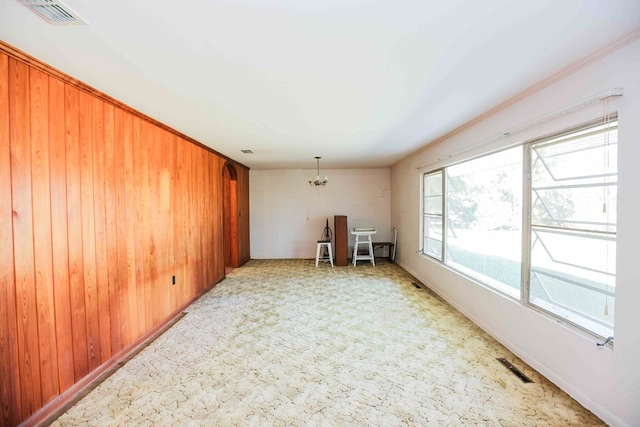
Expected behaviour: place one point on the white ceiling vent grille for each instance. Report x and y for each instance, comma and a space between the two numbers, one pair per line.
54, 12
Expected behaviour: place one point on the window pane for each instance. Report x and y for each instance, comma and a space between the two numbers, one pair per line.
432, 227
433, 193
575, 207
484, 207
433, 236
573, 251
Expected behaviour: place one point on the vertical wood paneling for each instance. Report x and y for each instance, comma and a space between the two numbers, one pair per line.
190, 257
120, 236
60, 251
100, 231
172, 259
176, 202
147, 218
165, 216
192, 218
201, 227
130, 243
204, 226
28, 345
140, 203
10, 387
152, 250
39, 114
208, 221
99, 208
180, 223
198, 225
74, 223
88, 229
196, 218
111, 221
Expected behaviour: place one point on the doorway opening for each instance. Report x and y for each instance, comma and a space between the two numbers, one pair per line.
230, 216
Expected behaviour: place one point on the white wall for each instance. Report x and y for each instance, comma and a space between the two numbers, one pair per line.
288, 216
606, 381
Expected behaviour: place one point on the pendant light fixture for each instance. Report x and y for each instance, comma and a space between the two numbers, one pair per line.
317, 181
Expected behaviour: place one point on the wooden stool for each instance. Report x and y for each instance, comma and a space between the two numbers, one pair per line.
362, 233
322, 243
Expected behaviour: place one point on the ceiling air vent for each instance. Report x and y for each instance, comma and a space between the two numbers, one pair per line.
54, 12
247, 151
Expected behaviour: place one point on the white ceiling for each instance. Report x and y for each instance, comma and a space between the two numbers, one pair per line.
360, 83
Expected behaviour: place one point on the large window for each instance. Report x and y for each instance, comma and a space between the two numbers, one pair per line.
568, 207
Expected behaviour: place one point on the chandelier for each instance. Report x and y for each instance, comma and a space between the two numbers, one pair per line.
317, 181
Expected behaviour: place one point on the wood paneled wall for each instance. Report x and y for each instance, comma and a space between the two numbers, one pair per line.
99, 209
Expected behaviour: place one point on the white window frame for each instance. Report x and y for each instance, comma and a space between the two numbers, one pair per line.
580, 322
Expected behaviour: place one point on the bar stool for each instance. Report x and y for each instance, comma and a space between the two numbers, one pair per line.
322, 243
361, 233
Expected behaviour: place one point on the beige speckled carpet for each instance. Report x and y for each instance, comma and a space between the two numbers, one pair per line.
281, 343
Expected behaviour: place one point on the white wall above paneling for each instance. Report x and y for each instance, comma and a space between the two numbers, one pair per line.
288, 216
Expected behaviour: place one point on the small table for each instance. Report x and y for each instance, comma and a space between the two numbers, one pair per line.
390, 245
363, 233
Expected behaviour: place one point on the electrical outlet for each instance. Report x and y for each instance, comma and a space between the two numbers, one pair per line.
173, 280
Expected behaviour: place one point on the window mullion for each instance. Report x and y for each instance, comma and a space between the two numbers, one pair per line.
525, 289
445, 215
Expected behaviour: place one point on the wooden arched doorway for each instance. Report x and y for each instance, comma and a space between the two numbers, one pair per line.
230, 216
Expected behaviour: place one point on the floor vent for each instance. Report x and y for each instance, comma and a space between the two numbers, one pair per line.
416, 284
54, 12
515, 370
